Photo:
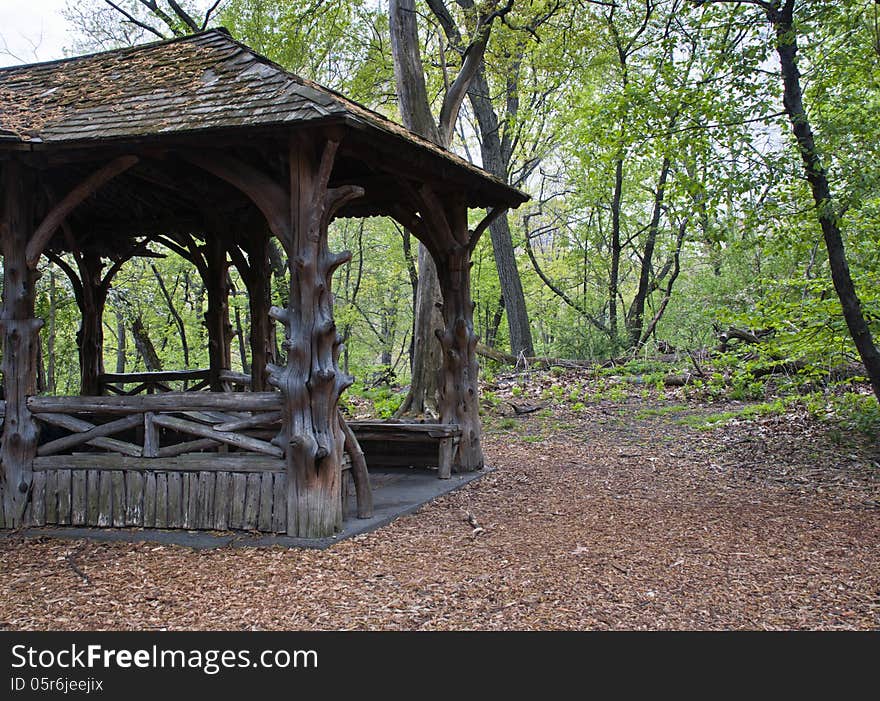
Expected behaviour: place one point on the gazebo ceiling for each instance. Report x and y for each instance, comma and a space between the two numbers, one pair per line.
206, 92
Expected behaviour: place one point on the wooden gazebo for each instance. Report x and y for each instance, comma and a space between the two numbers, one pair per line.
208, 148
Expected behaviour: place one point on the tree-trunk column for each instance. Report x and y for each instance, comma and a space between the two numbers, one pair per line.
311, 381
90, 337
217, 315
259, 284
459, 373
20, 338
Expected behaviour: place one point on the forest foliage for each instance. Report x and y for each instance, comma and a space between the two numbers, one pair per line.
668, 199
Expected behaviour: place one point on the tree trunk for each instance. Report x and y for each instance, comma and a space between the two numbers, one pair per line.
786, 47
90, 337
217, 314
635, 321
495, 162
144, 345
416, 114
178, 320
120, 344
459, 393
20, 330
262, 340
422, 398
50, 341
311, 381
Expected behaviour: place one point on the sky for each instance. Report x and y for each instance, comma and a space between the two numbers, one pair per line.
32, 30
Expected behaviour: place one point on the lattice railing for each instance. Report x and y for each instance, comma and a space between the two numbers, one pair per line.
159, 425
156, 382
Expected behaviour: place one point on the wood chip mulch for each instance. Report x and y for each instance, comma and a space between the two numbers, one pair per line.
595, 519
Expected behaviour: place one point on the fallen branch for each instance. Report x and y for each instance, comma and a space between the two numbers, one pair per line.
77, 570
536, 361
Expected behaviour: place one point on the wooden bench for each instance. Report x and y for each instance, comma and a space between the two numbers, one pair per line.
388, 444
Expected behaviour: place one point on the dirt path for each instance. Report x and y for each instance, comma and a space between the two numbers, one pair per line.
606, 517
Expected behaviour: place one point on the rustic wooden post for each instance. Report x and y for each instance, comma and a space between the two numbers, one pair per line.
311, 381
20, 331
90, 337
259, 285
459, 373
217, 315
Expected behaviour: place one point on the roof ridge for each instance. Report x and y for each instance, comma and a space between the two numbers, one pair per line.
123, 49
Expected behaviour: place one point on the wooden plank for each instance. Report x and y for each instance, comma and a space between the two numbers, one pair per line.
71, 423
380, 430
191, 498
38, 499
175, 499
51, 496
205, 505
151, 436
239, 494
222, 500
117, 488
105, 499
28, 512
279, 503
64, 479
93, 489
271, 417
266, 497
234, 439
252, 502
170, 451
161, 500
210, 462
169, 401
134, 498
112, 378
444, 458
149, 499
79, 498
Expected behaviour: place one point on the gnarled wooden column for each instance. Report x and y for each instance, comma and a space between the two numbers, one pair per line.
311, 381
459, 372
257, 278
217, 315
20, 330
441, 224
90, 336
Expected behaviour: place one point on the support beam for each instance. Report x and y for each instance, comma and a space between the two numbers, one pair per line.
311, 381
217, 315
71, 201
20, 335
90, 336
459, 374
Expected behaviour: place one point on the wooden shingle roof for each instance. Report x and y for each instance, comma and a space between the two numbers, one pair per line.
203, 82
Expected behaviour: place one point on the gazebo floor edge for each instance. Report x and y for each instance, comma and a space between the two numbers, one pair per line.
398, 493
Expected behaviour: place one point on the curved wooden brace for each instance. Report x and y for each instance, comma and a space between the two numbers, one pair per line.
71, 201
358, 471
264, 192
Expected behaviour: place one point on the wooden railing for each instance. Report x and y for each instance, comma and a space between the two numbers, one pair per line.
156, 382
204, 420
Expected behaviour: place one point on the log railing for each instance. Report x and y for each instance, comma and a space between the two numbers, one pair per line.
154, 426
156, 382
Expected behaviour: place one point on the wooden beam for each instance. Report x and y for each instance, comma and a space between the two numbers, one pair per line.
264, 192
210, 462
170, 401
71, 201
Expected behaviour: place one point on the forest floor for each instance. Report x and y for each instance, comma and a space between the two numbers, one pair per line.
631, 512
